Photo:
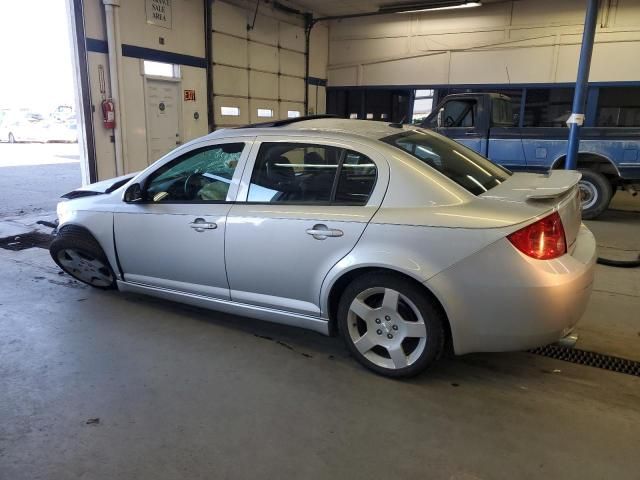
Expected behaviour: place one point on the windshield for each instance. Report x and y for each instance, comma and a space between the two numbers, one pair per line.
457, 162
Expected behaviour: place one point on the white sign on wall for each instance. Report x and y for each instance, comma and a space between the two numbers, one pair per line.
159, 13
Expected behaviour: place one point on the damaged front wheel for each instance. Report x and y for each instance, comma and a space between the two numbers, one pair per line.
79, 254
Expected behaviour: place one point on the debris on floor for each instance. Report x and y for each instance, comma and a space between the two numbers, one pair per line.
283, 344
25, 240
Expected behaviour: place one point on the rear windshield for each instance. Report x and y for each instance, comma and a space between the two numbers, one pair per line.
457, 162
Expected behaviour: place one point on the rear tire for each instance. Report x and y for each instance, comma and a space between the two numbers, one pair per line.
389, 325
80, 255
595, 194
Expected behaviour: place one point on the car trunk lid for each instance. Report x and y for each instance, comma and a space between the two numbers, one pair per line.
555, 190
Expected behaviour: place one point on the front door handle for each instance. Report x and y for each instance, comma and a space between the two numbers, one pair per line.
200, 225
321, 232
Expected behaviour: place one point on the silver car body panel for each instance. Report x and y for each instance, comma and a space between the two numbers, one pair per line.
317, 324
159, 246
261, 262
529, 302
105, 186
271, 259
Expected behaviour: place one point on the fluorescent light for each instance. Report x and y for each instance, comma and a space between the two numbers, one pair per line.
451, 7
426, 7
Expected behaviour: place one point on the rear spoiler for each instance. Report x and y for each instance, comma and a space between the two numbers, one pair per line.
535, 186
558, 192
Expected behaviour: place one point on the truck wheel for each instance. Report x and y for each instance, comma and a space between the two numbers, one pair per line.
595, 193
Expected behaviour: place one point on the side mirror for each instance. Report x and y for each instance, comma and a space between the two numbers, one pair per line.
439, 117
133, 193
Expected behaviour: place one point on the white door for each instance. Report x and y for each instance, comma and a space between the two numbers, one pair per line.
163, 119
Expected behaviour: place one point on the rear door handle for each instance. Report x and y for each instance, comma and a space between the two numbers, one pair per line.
321, 232
200, 225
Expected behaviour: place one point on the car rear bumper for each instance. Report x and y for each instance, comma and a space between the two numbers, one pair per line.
500, 300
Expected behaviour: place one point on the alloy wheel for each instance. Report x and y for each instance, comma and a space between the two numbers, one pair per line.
387, 328
85, 267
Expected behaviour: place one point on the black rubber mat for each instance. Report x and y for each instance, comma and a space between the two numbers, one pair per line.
26, 240
591, 359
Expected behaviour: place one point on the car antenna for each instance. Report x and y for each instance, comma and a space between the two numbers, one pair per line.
398, 124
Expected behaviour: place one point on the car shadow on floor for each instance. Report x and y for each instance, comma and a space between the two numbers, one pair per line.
456, 370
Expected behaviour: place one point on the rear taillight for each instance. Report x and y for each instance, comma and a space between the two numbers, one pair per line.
543, 239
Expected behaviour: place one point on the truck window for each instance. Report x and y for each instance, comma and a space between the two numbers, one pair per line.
455, 161
459, 113
502, 113
547, 107
619, 107
456, 113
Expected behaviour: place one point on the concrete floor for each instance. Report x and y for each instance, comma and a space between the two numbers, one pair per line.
611, 324
187, 393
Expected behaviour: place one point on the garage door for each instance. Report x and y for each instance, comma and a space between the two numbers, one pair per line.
258, 75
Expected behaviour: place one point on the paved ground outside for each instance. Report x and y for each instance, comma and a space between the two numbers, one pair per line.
34, 175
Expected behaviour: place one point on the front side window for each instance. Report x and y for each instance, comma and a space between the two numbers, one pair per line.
202, 175
458, 113
457, 162
297, 173
455, 114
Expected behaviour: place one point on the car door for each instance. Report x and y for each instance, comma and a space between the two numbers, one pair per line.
302, 207
174, 237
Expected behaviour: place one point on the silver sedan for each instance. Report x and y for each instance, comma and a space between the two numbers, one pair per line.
402, 241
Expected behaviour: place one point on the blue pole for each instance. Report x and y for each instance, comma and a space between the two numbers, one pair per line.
580, 94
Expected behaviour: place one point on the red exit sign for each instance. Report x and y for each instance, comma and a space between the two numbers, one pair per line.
189, 95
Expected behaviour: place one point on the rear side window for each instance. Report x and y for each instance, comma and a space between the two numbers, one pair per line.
298, 173
457, 162
356, 180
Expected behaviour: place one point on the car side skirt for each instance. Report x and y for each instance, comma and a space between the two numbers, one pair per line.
317, 324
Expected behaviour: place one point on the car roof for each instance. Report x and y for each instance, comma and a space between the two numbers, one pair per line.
317, 127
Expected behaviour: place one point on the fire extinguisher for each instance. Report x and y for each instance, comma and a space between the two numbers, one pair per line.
108, 113
107, 105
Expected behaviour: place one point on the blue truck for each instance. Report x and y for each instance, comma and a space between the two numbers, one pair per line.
609, 157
